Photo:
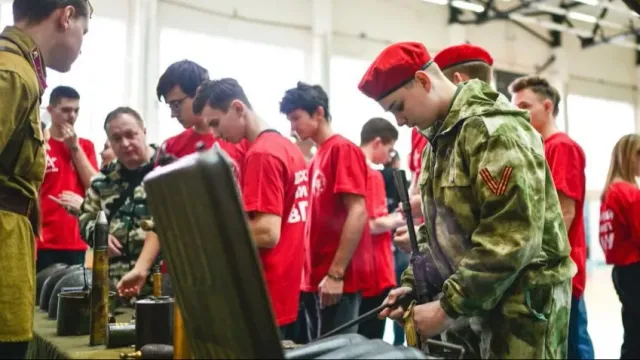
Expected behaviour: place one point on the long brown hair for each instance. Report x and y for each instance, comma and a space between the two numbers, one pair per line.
624, 160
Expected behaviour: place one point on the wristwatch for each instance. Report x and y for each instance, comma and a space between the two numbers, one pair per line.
335, 278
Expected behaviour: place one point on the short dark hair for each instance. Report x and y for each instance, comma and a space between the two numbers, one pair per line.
378, 127
123, 110
35, 11
219, 94
538, 85
186, 74
63, 92
305, 97
474, 70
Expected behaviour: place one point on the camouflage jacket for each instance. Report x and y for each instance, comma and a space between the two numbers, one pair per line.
128, 222
492, 214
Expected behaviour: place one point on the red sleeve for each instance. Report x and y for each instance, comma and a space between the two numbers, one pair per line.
351, 171
90, 150
566, 162
380, 196
634, 219
263, 184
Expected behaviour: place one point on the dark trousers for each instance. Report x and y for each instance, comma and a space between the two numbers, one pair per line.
50, 257
300, 330
13, 350
401, 263
321, 321
580, 345
625, 281
373, 328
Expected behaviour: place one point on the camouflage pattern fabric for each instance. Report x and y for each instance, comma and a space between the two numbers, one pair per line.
128, 223
494, 229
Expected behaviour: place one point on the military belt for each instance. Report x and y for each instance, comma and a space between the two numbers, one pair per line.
14, 201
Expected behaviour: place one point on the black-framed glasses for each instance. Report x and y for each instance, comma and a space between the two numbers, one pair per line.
175, 105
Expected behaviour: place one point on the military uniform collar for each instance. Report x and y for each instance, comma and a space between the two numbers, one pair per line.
472, 98
30, 51
117, 171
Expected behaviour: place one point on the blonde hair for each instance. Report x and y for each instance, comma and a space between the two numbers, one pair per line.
624, 160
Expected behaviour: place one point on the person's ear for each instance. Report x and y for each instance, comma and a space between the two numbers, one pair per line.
423, 79
457, 78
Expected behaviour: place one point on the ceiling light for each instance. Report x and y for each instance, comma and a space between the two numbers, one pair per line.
438, 2
465, 5
589, 2
582, 17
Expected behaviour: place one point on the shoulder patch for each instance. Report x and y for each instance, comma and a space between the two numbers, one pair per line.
498, 187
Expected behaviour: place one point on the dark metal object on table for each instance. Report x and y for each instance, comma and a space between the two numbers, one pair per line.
120, 335
154, 321
213, 239
100, 282
44, 274
50, 284
73, 279
73, 313
324, 346
151, 351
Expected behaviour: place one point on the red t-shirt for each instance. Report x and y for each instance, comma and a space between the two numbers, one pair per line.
60, 230
620, 224
418, 143
339, 167
567, 163
383, 268
282, 189
185, 143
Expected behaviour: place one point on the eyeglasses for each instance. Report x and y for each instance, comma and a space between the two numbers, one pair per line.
175, 105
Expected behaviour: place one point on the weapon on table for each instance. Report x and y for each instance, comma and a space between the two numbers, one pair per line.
100, 282
403, 301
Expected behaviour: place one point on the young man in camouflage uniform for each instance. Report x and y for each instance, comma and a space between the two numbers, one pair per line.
118, 190
493, 226
46, 33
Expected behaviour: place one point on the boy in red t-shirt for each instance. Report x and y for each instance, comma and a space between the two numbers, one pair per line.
71, 163
274, 189
337, 260
177, 86
567, 163
377, 139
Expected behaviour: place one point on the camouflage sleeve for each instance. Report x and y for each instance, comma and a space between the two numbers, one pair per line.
91, 205
508, 180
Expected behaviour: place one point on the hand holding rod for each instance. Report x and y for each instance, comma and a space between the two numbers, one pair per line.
404, 301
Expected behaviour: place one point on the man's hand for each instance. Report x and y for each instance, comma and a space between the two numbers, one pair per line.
401, 239
132, 282
330, 291
71, 201
69, 136
430, 320
394, 313
114, 247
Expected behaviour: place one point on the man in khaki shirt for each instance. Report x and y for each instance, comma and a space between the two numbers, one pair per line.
47, 33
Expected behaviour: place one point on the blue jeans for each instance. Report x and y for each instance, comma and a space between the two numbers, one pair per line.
580, 346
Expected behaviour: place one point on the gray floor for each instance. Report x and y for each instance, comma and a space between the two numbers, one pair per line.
603, 310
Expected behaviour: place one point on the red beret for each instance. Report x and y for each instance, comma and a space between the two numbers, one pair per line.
460, 54
394, 67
